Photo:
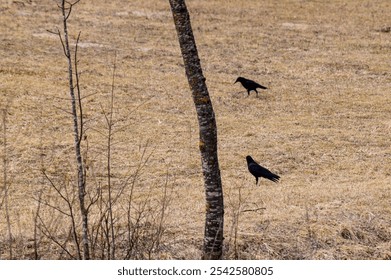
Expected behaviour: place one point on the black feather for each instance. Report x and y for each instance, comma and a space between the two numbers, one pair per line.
259, 171
249, 85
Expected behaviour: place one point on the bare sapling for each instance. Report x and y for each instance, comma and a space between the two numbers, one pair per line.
5, 187
77, 114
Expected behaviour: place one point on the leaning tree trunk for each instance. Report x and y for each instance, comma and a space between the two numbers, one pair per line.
213, 239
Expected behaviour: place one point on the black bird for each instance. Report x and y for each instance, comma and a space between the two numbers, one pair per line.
259, 171
249, 85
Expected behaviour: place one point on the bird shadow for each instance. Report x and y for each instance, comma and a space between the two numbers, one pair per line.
243, 94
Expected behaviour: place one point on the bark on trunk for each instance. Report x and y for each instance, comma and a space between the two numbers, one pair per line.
214, 222
80, 174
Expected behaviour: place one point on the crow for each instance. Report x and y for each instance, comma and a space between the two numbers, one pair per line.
259, 171
249, 85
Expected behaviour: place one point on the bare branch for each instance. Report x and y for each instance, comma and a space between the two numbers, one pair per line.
77, 75
63, 110
53, 207
53, 32
62, 42
254, 210
43, 228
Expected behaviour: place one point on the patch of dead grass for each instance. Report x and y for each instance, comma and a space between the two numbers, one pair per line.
323, 125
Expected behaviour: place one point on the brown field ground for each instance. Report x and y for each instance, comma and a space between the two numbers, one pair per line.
323, 125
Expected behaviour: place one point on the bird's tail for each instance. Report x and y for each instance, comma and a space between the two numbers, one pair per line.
275, 178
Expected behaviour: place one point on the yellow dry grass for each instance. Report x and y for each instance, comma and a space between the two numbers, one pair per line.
323, 125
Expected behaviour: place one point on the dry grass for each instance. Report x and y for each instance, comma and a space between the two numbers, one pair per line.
324, 125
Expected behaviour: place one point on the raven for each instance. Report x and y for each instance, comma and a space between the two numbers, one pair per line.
259, 171
249, 85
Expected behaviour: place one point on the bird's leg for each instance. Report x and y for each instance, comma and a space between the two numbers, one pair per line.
256, 181
256, 92
248, 93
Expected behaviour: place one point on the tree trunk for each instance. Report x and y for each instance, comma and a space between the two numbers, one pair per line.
214, 222
80, 170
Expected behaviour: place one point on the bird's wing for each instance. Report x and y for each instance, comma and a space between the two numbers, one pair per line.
252, 84
256, 169
260, 171
259, 86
